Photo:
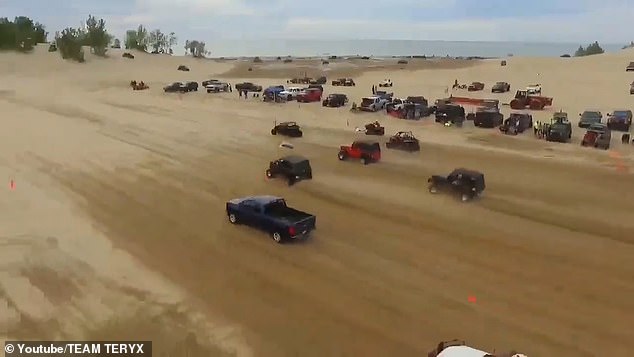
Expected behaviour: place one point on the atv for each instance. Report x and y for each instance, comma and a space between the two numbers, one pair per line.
403, 140
374, 129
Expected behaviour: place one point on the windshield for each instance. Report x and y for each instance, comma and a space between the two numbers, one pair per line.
621, 113
598, 127
591, 115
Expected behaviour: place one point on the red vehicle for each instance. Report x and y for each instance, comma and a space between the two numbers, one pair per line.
309, 95
364, 151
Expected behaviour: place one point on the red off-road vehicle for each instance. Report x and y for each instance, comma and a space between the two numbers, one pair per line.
364, 151
309, 95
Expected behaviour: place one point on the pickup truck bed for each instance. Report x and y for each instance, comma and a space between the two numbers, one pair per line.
288, 215
272, 215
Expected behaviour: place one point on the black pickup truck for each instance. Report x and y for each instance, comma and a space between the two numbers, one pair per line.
272, 215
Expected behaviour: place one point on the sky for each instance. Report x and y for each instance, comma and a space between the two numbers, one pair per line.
570, 21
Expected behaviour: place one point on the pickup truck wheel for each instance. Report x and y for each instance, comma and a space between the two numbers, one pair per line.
269, 174
277, 237
233, 219
342, 155
273, 132
364, 161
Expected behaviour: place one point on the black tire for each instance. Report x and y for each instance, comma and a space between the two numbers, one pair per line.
364, 160
269, 174
273, 132
291, 180
233, 218
342, 155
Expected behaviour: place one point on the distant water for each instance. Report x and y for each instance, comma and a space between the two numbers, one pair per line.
385, 48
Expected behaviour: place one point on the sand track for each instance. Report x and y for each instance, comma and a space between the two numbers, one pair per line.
117, 225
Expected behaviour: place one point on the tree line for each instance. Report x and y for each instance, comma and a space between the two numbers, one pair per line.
22, 34
591, 49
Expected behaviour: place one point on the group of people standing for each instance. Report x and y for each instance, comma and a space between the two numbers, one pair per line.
540, 129
245, 94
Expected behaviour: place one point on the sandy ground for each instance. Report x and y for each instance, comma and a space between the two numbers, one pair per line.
115, 227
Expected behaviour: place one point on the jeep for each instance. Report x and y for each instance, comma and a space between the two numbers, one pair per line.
364, 151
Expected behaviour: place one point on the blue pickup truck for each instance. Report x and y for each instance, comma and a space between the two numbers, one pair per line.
272, 215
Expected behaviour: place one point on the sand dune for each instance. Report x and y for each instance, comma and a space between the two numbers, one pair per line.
116, 225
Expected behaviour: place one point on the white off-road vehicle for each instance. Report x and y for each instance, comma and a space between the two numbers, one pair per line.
533, 89
216, 87
290, 93
457, 348
373, 104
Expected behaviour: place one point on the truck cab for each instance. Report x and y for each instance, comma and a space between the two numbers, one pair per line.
373, 104
620, 120
290, 93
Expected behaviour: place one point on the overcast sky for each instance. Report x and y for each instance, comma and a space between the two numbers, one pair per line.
581, 21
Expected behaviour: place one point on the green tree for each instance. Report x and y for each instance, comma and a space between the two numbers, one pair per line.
591, 49
69, 43
580, 51
22, 34
137, 39
195, 48
158, 41
96, 35
171, 42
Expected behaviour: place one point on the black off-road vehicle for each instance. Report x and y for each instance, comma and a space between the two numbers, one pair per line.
289, 128
248, 86
488, 118
183, 68
403, 140
191, 86
516, 123
450, 113
346, 82
466, 184
560, 128
335, 100
374, 129
500, 87
589, 117
320, 80
293, 168
175, 87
